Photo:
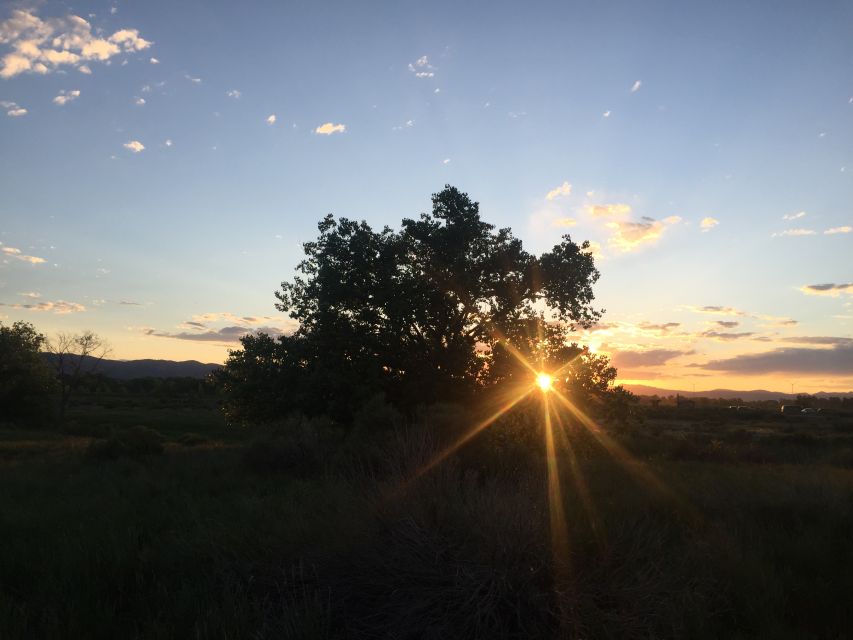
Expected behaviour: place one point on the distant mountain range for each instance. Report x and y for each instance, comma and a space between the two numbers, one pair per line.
129, 369
754, 395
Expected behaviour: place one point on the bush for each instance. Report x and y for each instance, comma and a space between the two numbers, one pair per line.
135, 442
296, 445
87, 429
192, 440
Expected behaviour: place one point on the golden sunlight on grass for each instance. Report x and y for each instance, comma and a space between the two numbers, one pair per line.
544, 381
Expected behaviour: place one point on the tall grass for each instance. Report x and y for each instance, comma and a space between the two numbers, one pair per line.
301, 531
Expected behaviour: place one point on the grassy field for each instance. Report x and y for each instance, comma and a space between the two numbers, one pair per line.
148, 518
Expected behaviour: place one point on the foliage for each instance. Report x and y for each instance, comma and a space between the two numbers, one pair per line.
437, 311
25, 378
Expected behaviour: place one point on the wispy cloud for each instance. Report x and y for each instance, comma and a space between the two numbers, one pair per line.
422, 68
726, 336
204, 319
60, 307
708, 223
135, 146
192, 79
17, 254
824, 340
564, 222
204, 327
647, 358
43, 46
629, 236
139, 102
717, 310
234, 93
153, 61
832, 361
13, 109
602, 210
271, 119
328, 129
65, 97
564, 189
795, 233
835, 230
829, 289
224, 335
636, 86
794, 216
726, 324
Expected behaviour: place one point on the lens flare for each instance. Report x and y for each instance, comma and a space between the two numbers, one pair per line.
544, 381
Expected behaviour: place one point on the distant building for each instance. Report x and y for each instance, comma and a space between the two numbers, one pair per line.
791, 408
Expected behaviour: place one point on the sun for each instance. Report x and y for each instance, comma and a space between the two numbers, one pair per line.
544, 382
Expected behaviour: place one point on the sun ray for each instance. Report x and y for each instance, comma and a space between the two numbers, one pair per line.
578, 480
480, 426
556, 507
625, 459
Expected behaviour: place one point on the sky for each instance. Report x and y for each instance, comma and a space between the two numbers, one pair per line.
162, 162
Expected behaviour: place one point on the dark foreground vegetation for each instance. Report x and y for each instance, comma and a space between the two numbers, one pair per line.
146, 517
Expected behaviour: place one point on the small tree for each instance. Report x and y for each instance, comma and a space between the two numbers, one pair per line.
74, 356
25, 378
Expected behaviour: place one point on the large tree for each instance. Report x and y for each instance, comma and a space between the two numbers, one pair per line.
438, 310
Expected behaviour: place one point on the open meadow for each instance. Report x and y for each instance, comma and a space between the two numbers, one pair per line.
148, 517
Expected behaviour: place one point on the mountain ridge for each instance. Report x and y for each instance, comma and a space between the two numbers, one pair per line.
752, 394
148, 368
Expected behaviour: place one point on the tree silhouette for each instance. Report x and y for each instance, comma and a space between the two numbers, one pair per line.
25, 378
74, 356
431, 312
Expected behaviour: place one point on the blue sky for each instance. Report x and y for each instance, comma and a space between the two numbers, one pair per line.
641, 120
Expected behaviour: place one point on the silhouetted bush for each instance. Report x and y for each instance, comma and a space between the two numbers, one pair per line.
136, 441
86, 428
192, 440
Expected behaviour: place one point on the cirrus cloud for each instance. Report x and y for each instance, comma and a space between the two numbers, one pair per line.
795, 233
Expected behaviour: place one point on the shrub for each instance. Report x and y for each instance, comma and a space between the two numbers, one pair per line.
135, 442
192, 439
88, 429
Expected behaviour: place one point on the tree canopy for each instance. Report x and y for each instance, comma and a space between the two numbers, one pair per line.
25, 378
438, 310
